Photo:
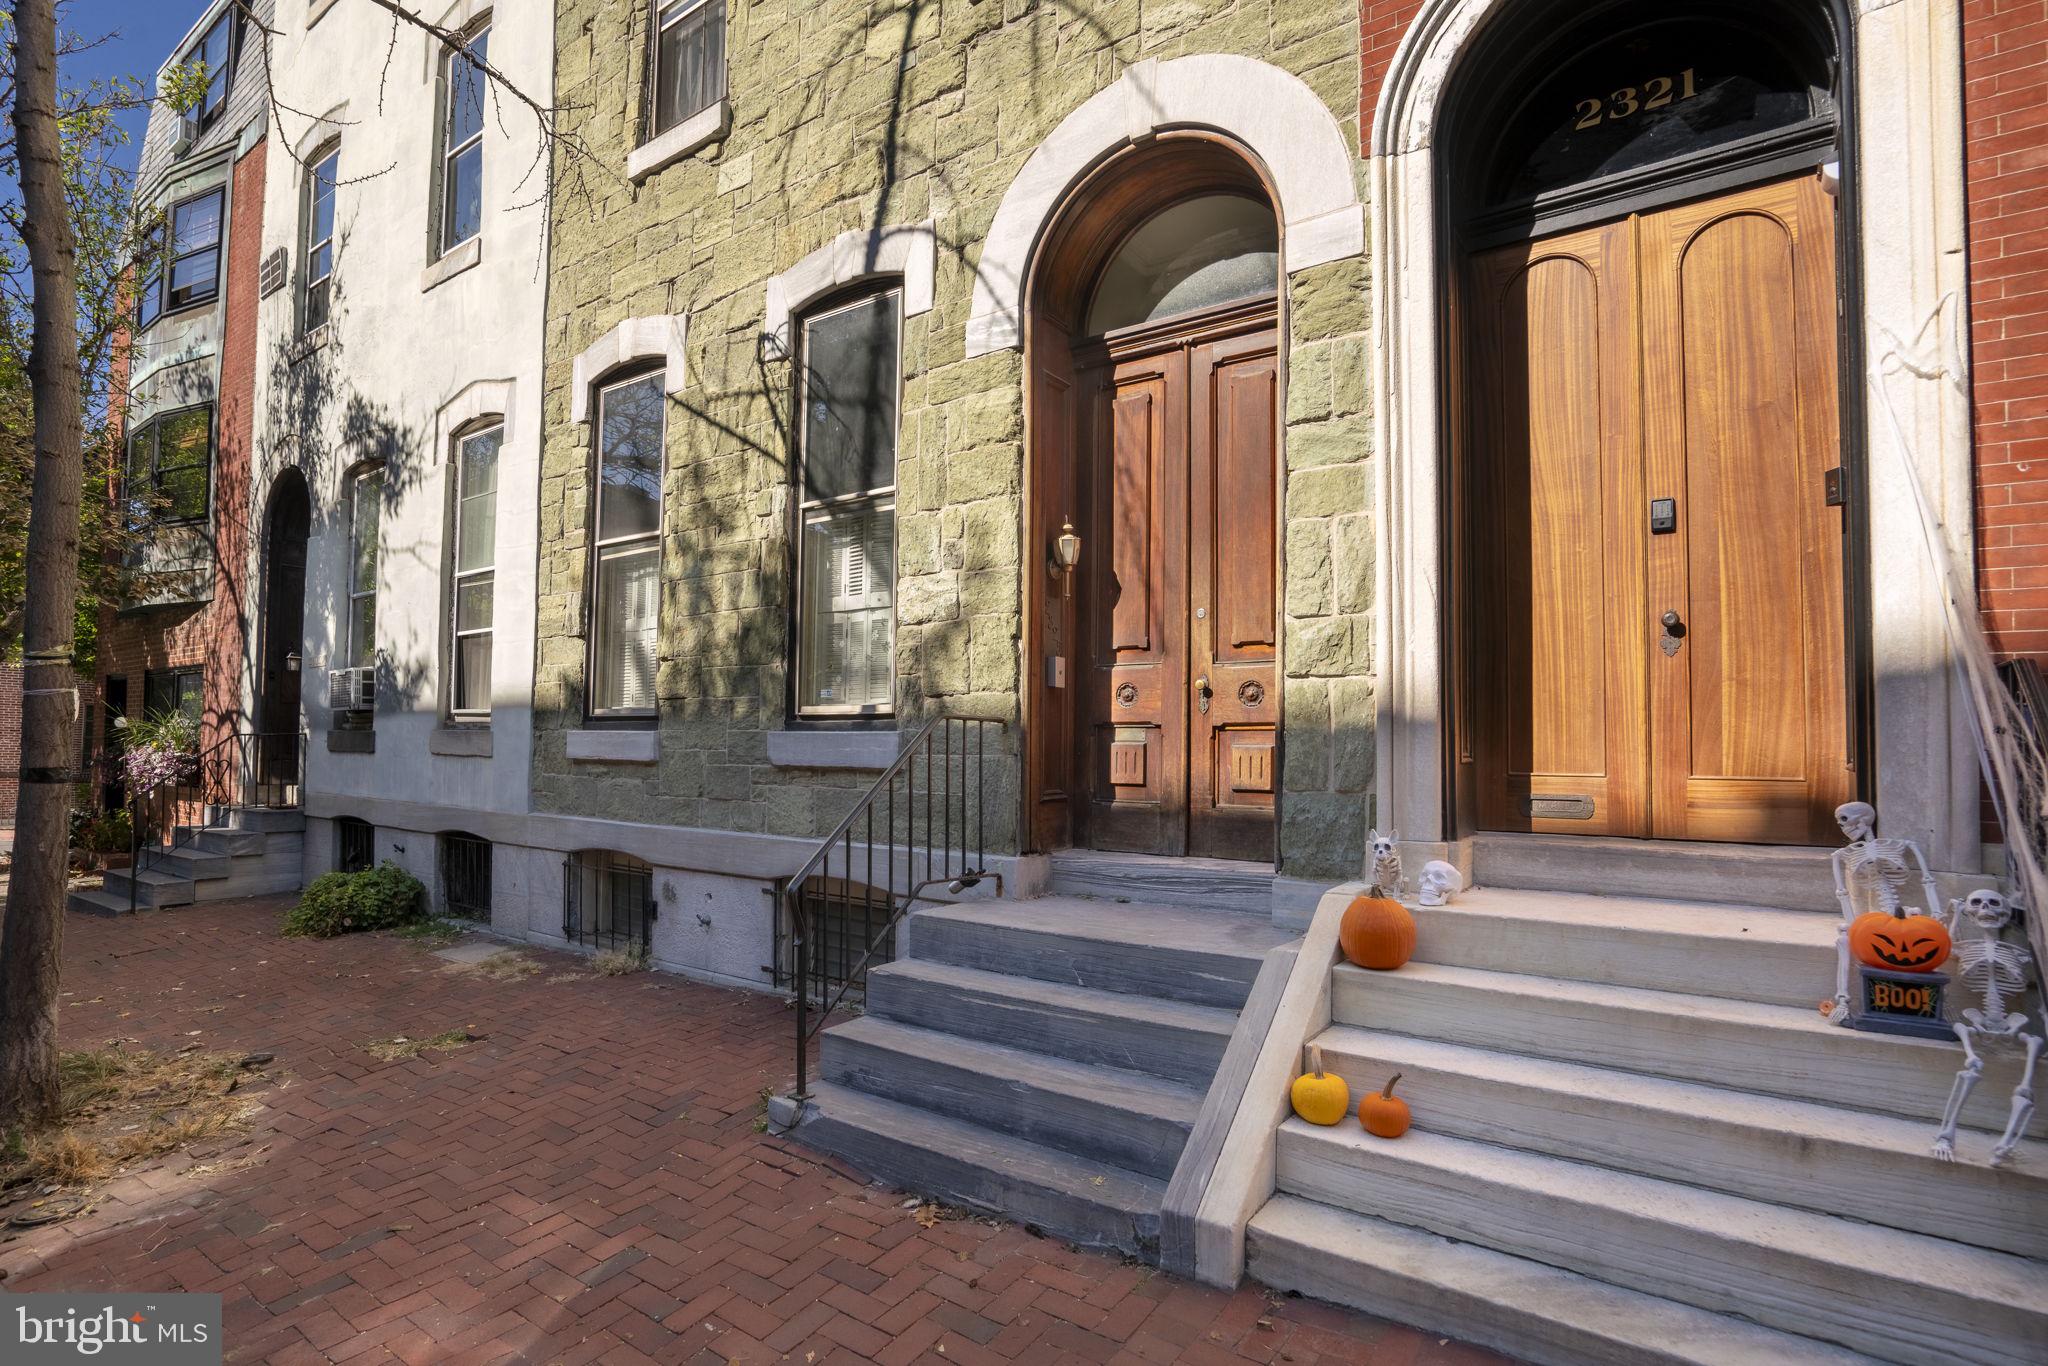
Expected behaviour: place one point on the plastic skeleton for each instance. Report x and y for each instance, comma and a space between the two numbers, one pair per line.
1869, 874
1386, 861
1997, 970
1440, 882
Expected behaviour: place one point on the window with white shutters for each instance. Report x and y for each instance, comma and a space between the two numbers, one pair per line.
626, 555
846, 610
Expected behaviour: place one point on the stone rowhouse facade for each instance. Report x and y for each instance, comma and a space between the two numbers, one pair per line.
198, 617
844, 119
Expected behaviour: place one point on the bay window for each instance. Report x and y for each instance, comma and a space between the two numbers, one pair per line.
170, 466
318, 237
625, 598
846, 495
476, 540
193, 272
461, 209
689, 60
366, 507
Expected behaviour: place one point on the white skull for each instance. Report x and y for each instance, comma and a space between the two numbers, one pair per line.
1382, 845
1987, 909
1440, 882
1857, 819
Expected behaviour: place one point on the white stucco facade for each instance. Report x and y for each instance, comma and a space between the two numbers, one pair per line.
421, 345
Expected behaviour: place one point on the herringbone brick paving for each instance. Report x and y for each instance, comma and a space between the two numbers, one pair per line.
587, 1182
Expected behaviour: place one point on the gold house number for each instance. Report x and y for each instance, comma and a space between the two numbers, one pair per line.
1631, 100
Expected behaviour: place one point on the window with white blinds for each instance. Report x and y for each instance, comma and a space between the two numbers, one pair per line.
626, 555
846, 609
475, 568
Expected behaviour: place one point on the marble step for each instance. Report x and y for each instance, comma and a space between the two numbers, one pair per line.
1794, 877
1123, 1118
1899, 1296
1203, 884
1792, 1152
1775, 1050
1535, 1312
959, 1163
151, 888
1743, 953
1198, 957
1167, 1039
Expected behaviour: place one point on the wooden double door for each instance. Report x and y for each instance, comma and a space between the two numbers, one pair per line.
1177, 698
1652, 637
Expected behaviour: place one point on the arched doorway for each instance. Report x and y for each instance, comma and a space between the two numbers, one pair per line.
1152, 339
287, 521
1651, 507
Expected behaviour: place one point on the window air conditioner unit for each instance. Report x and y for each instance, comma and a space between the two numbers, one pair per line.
188, 133
352, 689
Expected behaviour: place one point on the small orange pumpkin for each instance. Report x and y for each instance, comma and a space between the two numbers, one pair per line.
1320, 1097
1377, 932
1384, 1114
1899, 942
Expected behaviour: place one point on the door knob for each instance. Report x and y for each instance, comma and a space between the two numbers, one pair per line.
1674, 632
1202, 693
1672, 623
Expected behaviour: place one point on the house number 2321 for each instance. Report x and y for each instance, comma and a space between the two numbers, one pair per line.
1631, 100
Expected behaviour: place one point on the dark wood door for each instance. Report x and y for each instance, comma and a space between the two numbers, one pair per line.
1178, 684
1685, 355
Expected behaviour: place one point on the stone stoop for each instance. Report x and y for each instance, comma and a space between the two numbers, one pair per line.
1636, 1140
1042, 1059
258, 851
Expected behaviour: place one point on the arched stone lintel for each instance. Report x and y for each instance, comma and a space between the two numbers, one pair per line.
633, 339
477, 399
909, 250
1274, 114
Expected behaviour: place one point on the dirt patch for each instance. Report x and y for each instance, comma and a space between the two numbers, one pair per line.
399, 1046
506, 965
122, 1107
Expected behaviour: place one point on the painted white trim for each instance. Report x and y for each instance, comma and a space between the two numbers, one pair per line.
633, 339
1910, 184
861, 749
615, 746
910, 250
1274, 114
701, 129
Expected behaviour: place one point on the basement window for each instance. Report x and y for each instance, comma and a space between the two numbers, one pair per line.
355, 844
607, 901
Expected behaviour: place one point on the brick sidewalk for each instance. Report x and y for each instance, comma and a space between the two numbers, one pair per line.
587, 1183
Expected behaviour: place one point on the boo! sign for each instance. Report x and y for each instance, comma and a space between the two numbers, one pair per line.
42, 1329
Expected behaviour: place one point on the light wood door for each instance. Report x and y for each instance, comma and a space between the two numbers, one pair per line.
1177, 583
1679, 677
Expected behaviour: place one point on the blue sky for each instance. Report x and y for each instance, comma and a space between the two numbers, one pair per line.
143, 30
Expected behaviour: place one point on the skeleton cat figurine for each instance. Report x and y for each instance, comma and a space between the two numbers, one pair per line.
1997, 971
1386, 861
1869, 875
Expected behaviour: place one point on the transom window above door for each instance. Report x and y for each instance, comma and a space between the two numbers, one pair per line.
1209, 250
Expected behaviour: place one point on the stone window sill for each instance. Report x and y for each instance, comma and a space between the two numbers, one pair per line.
452, 263
702, 128
615, 746
308, 344
461, 741
361, 741
867, 749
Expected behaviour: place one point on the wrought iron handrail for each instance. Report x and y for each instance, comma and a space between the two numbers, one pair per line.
240, 768
953, 751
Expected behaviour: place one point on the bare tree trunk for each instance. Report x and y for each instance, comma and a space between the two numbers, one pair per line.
31, 937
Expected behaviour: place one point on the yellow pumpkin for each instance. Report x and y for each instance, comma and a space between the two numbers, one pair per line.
1320, 1097
1377, 932
1384, 1114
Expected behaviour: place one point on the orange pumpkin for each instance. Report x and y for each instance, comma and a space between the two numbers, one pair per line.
1377, 932
1899, 942
1320, 1097
1384, 1114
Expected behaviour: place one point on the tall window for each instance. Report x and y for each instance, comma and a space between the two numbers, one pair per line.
461, 209
689, 60
846, 619
216, 53
476, 542
319, 235
366, 506
626, 596
170, 466
194, 272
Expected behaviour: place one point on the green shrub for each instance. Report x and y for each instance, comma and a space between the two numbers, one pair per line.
346, 903
107, 834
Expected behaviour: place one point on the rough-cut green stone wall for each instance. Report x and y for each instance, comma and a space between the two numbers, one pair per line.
846, 115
